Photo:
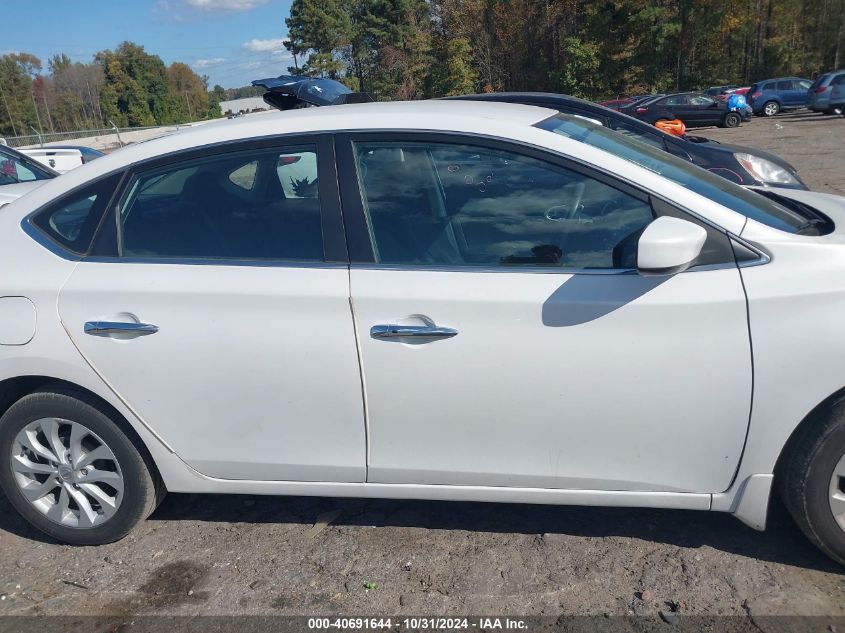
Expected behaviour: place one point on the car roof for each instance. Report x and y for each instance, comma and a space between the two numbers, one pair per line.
474, 117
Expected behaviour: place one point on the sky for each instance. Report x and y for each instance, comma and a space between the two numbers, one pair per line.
231, 41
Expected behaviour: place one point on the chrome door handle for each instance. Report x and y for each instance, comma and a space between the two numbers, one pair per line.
105, 328
419, 331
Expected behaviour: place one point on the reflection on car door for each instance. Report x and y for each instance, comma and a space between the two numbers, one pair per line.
253, 370
506, 340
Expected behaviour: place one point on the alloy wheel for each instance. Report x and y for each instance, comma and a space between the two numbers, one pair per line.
836, 496
771, 109
67, 472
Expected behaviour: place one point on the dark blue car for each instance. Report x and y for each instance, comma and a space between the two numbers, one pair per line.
776, 95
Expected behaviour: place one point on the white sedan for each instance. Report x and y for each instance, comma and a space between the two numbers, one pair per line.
430, 300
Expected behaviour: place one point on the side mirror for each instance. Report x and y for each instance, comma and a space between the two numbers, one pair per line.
668, 246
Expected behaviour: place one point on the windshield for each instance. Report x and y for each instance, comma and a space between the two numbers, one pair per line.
15, 168
694, 178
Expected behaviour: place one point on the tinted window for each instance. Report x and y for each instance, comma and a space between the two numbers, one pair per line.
784, 85
242, 205
838, 80
769, 86
693, 178
72, 220
459, 205
675, 100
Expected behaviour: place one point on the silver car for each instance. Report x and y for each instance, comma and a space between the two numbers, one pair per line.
820, 93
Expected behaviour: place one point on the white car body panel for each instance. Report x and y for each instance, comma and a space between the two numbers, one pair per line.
557, 380
10, 193
285, 333
667, 453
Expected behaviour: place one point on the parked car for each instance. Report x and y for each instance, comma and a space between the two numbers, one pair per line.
837, 94
88, 153
616, 104
720, 92
637, 100
742, 165
819, 93
19, 174
62, 158
433, 219
693, 108
772, 96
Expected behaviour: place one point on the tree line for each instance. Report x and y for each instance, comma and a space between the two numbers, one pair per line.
126, 86
406, 49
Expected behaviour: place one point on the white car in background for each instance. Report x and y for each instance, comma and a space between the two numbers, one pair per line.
455, 300
62, 158
19, 174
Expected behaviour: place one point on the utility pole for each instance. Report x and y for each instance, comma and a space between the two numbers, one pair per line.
37, 116
47, 108
188, 103
11, 118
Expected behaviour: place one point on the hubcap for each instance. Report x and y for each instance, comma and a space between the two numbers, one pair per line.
771, 109
67, 472
836, 494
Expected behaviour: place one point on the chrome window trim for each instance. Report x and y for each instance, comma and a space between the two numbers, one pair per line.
210, 261
536, 270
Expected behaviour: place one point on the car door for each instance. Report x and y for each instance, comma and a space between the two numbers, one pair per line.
705, 110
506, 339
676, 106
216, 307
786, 88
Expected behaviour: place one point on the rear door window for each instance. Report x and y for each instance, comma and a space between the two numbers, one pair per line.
238, 205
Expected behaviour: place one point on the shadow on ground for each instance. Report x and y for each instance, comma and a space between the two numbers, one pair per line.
782, 543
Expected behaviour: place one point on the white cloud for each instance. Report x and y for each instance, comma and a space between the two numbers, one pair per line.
208, 63
225, 5
265, 46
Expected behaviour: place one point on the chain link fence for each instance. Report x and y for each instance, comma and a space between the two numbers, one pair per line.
106, 138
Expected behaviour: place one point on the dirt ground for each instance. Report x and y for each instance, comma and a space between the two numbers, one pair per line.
299, 556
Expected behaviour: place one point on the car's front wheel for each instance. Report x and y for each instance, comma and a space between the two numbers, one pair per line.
71, 471
771, 108
732, 119
812, 480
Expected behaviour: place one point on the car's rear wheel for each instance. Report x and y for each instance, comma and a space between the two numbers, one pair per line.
812, 480
732, 119
71, 471
771, 108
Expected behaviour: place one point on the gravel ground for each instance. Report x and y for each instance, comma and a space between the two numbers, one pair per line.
222, 555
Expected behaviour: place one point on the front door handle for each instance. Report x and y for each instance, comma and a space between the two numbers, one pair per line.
107, 328
418, 331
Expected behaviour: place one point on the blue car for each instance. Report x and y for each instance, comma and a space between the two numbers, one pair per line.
771, 96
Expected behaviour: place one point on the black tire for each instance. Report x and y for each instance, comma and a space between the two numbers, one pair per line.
805, 478
770, 108
732, 119
142, 491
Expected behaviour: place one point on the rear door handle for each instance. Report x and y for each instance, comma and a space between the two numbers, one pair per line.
418, 331
106, 328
